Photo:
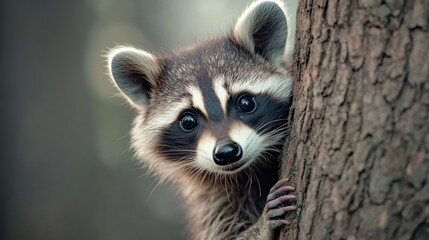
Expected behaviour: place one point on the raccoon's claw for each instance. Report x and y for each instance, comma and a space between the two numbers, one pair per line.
278, 204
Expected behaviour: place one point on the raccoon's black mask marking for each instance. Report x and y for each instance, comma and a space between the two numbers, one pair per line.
270, 114
178, 145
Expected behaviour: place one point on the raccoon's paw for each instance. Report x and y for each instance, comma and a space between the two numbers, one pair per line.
278, 204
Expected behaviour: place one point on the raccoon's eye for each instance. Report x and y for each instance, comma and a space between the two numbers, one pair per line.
246, 103
188, 121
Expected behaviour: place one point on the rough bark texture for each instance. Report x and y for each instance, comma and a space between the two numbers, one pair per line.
359, 147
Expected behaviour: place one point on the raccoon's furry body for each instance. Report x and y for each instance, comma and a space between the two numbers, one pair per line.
212, 119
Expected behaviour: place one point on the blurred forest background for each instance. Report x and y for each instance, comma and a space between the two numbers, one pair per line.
66, 171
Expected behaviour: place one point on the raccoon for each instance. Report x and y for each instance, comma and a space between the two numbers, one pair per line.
212, 119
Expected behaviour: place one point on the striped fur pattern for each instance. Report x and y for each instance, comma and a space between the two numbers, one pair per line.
212, 119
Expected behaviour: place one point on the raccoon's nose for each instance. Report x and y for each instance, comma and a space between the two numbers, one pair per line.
227, 152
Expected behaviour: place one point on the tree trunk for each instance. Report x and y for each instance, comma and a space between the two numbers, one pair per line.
358, 153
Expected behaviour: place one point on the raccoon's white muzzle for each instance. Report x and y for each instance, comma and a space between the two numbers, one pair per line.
232, 154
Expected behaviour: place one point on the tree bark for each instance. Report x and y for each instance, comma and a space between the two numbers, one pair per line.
358, 151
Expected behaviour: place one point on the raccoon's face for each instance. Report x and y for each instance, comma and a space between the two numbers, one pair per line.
217, 107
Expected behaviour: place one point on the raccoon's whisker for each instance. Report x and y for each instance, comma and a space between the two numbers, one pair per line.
179, 162
173, 168
228, 186
249, 181
161, 180
234, 181
226, 180
281, 128
171, 146
195, 176
230, 183
259, 127
227, 194
257, 181
275, 136
215, 178
189, 152
154, 182
192, 173
264, 159
274, 149
145, 172
269, 150
278, 133
177, 168
201, 174
205, 175
128, 135
267, 160
153, 189
176, 150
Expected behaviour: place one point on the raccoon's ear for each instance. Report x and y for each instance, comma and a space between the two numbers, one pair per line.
135, 73
262, 29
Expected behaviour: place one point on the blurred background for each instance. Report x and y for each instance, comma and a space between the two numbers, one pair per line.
66, 171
